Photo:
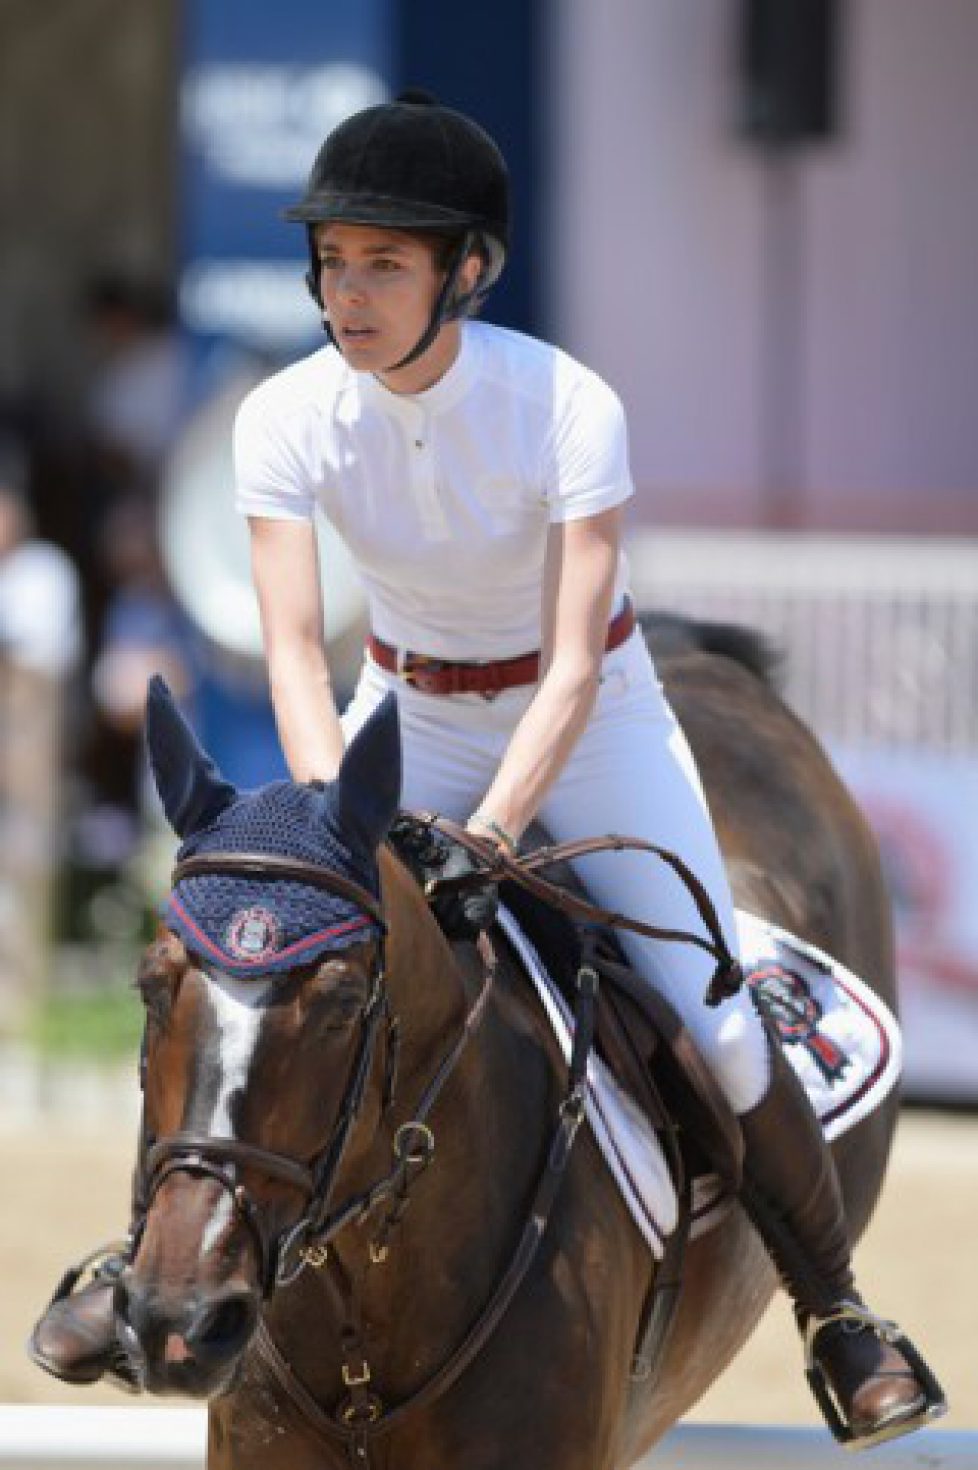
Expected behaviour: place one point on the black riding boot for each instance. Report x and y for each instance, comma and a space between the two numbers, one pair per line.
74, 1339
869, 1381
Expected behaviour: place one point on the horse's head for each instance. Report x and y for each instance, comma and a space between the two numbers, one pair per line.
263, 997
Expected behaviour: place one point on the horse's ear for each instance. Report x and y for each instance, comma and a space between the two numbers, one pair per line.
192, 789
368, 785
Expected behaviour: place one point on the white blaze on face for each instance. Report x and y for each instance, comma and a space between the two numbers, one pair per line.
237, 1012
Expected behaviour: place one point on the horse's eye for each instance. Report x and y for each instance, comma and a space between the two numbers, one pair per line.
337, 994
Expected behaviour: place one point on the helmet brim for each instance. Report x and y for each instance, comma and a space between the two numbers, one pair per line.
394, 214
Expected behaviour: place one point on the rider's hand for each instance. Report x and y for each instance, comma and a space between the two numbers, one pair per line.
464, 913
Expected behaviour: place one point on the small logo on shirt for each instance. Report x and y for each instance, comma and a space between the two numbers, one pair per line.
253, 934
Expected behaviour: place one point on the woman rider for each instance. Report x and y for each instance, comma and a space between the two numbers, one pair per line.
478, 477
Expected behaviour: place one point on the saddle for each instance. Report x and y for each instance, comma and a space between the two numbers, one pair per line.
638, 1034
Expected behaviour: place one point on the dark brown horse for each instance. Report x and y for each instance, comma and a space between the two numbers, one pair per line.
248, 1097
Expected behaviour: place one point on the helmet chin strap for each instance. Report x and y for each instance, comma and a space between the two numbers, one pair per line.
446, 308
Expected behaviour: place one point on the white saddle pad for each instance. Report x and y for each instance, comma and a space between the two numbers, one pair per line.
842, 1040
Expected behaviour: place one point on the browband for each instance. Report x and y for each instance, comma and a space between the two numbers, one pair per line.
262, 865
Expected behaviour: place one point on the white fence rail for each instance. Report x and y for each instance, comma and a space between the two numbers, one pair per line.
739, 1447
41, 1437
881, 632
35, 1437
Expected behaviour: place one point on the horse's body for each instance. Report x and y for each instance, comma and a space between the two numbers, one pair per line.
550, 1390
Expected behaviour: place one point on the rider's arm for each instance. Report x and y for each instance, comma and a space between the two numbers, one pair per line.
285, 568
579, 580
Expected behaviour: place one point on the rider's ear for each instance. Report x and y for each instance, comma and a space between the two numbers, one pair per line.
368, 785
192, 789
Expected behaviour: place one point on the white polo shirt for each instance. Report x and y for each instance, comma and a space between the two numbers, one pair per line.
443, 497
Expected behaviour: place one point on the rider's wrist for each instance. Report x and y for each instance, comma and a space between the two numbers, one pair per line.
482, 822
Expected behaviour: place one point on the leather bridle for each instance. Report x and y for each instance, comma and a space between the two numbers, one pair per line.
361, 1415
280, 1258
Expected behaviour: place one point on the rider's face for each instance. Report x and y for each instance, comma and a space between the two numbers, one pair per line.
378, 287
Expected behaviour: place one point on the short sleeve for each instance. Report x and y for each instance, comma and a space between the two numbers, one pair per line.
586, 469
270, 477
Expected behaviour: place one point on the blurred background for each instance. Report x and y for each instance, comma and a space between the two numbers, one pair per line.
757, 220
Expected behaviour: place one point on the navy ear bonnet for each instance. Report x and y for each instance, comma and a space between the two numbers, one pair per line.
250, 925
253, 926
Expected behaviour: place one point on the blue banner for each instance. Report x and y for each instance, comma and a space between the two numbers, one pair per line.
262, 85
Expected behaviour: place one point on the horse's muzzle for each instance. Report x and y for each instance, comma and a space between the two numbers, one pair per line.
190, 1347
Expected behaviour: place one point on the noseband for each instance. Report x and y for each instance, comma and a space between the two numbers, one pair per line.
281, 1258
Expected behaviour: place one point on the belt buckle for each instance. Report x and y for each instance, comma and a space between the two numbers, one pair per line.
414, 669
405, 669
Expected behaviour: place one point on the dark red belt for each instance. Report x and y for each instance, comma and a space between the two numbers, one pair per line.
439, 676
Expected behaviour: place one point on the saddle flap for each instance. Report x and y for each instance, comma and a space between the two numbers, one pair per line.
639, 1035
686, 1088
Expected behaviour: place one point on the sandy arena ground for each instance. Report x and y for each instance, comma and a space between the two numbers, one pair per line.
65, 1187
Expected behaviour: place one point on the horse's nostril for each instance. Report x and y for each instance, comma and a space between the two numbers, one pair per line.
222, 1327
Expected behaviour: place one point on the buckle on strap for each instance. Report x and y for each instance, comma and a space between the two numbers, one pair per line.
418, 672
354, 1378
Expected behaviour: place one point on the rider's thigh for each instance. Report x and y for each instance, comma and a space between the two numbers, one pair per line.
633, 773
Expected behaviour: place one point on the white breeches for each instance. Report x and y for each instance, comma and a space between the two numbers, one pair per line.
631, 773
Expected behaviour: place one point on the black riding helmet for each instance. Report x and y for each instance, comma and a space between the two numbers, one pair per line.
412, 164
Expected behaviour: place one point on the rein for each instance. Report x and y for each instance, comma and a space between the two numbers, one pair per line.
494, 865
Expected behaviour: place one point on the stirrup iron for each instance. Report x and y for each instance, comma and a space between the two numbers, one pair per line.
932, 1401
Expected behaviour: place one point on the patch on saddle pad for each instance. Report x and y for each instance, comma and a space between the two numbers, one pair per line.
842, 1040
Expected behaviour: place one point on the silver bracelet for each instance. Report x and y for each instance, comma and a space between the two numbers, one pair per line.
489, 825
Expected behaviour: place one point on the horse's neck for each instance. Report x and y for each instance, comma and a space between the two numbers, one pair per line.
428, 988
434, 991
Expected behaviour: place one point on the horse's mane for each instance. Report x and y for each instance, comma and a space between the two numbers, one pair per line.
670, 635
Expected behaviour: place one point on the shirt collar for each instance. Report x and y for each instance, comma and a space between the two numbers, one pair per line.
450, 389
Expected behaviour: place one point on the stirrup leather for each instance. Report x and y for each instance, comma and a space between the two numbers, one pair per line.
932, 1401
